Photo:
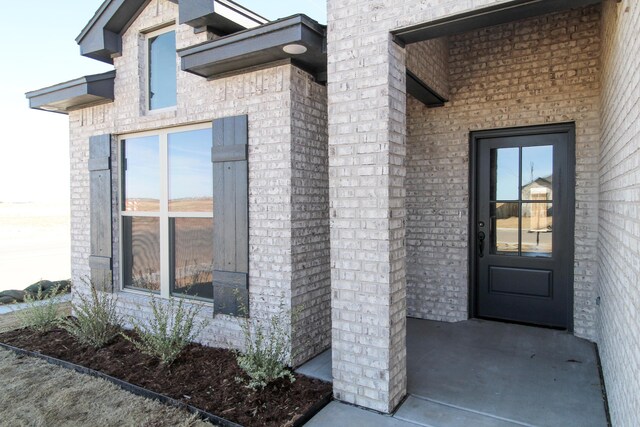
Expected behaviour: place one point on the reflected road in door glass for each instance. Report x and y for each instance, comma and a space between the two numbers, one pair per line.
504, 217
537, 229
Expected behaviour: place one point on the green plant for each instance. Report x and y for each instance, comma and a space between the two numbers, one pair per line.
266, 352
41, 313
170, 328
96, 320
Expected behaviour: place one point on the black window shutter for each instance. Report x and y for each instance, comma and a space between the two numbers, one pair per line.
100, 259
230, 216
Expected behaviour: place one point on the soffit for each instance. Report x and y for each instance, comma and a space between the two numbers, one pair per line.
259, 47
79, 93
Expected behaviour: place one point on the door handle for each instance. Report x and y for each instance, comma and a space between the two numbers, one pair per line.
481, 237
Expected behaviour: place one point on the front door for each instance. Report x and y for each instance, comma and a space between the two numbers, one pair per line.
522, 224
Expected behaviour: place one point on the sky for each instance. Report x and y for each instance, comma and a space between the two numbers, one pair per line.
537, 162
39, 50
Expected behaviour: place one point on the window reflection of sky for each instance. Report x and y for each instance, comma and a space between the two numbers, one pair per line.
540, 159
190, 169
507, 174
537, 162
142, 177
162, 71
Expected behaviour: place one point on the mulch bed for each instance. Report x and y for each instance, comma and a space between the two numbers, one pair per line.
203, 377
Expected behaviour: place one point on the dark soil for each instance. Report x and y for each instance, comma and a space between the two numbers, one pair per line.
203, 377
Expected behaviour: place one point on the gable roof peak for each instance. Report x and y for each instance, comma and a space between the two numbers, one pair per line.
101, 38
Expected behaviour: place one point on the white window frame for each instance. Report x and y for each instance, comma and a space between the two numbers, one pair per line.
163, 214
148, 35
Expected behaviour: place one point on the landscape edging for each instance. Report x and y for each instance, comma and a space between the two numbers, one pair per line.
143, 392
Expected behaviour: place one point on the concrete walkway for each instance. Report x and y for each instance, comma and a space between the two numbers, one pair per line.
481, 373
10, 308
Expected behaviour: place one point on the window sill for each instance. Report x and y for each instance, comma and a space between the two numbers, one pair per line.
140, 295
160, 111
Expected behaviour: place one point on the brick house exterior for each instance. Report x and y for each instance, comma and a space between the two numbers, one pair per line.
359, 204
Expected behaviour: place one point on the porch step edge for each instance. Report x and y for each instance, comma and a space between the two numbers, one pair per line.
428, 412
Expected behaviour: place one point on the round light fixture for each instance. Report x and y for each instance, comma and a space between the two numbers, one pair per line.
295, 49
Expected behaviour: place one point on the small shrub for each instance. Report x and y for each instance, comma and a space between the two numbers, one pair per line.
41, 313
171, 327
96, 320
266, 352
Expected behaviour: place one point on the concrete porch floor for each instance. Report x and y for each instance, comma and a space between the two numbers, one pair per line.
482, 373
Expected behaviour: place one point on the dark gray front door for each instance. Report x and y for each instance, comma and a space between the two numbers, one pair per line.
522, 230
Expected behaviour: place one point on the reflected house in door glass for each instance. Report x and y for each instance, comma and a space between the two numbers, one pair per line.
538, 190
537, 230
537, 214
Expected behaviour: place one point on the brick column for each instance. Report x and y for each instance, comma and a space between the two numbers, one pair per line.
367, 103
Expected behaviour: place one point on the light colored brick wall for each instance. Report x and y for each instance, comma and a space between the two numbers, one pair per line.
266, 97
429, 60
536, 71
619, 231
311, 275
367, 103
366, 186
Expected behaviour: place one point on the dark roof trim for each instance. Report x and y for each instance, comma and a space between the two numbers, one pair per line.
102, 36
79, 93
423, 92
260, 46
224, 16
484, 17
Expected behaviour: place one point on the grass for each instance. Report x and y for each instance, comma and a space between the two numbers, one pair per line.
35, 393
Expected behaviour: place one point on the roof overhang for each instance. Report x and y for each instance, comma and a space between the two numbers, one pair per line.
259, 47
422, 92
101, 38
79, 93
484, 17
223, 16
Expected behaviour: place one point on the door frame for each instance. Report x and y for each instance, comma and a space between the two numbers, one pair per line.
570, 129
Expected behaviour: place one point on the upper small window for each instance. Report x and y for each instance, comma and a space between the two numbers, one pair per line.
162, 70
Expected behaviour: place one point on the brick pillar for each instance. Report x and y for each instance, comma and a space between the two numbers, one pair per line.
367, 103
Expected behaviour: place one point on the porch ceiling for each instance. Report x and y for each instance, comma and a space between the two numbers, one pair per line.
485, 17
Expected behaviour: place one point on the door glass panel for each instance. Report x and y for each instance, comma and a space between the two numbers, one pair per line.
190, 171
537, 173
192, 256
141, 241
505, 173
537, 229
141, 160
504, 228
